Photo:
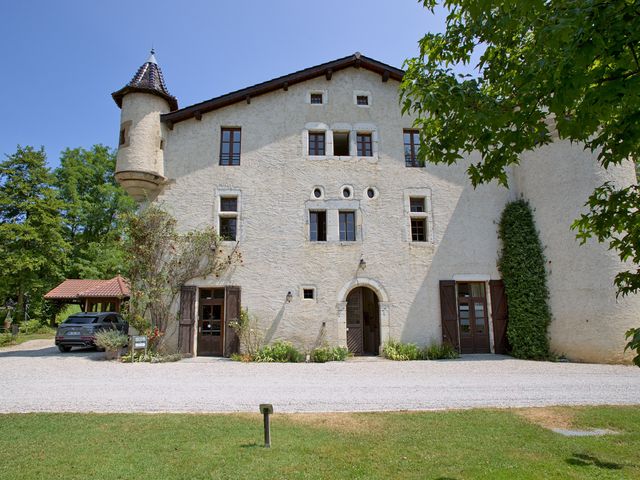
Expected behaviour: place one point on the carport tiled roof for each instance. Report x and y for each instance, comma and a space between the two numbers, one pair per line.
73, 289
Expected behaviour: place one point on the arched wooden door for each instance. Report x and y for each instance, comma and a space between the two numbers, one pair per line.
363, 322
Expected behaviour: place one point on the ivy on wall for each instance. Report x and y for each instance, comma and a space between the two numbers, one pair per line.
522, 265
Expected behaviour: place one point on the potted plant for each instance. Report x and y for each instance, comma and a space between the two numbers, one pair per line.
112, 341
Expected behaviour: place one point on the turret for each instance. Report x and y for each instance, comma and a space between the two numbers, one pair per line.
140, 159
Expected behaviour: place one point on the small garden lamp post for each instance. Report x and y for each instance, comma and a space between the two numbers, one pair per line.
266, 409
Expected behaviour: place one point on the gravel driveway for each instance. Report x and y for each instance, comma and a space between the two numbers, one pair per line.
36, 378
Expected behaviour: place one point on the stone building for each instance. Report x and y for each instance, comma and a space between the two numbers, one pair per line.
345, 238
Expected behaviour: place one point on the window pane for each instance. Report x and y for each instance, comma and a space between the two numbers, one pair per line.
230, 146
416, 204
228, 228
236, 136
477, 289
316, 143
418, 230
226, 135
229, 204
318, 226
347, 226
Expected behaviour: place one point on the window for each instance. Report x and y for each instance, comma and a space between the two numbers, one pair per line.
347, 221
229, 218
362, 100
363, 141
317, 192
228, 228
230, 146
341, 143
316, 98
411, 144
229, 204
308, 293
419, 229
416, 204
318, 226
123, 137
371, 193
316, 143
347, 192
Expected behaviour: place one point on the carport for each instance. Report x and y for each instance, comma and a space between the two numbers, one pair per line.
92, 295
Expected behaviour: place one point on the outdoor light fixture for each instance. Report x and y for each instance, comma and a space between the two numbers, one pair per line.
362, 264
289, 297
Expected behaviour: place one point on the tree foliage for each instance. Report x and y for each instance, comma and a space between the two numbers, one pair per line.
570, 65
33, 251
94, 209
521, 265
162, 260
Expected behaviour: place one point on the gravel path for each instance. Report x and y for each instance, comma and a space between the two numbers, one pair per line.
36, 378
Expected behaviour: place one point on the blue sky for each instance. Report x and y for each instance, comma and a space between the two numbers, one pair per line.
62, 59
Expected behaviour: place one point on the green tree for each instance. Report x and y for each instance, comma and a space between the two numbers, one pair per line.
33, 251
93, 212
566, 64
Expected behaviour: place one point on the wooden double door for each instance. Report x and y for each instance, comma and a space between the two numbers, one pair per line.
472, 318
363, 322
206, 316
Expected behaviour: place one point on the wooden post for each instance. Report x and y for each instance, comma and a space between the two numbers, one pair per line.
266, 409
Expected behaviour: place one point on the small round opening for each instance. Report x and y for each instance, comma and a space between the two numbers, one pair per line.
371, 193
346, 192
317, 192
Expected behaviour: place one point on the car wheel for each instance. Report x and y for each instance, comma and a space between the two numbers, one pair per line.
64, 348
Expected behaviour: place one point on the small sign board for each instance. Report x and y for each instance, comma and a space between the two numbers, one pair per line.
139, 342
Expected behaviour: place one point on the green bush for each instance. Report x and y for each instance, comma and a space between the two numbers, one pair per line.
5, 339
401, 351
279, 352
522, 265
329, 354
33, 326
439, 352
151, 357
111, 340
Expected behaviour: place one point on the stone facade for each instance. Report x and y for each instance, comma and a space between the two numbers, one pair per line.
275, 187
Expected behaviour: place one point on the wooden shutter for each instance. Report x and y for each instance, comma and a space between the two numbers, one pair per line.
500, 315
449, 313
187, 319
232, 314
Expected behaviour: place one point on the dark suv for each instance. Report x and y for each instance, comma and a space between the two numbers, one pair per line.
79, 330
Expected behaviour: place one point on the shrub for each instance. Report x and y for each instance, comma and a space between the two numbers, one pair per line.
401, 351
522, 265
5, 339
279, 352
151, 357
249, 334
439, 351
111, 340
329, 354
33, 326
241, 357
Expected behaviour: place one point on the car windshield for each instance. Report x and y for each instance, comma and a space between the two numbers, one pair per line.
81, 320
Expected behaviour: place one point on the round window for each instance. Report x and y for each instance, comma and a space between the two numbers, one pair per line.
346, 192
317, 192
371, 193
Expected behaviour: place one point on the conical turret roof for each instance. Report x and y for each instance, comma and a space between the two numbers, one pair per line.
148, 79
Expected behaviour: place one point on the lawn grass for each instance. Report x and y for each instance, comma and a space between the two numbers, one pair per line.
21, 338
469, 444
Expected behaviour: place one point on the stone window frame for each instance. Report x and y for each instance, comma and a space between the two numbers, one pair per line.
427, 215
125, 128
332, 208
226, 193
309, 287
324, 93
353, 129
362, 93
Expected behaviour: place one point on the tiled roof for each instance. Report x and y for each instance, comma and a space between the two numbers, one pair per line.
148, 79
73, 289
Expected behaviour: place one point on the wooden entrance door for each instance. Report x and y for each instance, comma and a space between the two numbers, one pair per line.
211, 322
472, 318
363, 322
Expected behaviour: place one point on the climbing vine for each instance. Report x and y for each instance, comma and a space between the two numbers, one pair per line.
522, 265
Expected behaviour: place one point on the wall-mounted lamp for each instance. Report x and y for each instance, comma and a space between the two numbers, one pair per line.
289, 296
362, 264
